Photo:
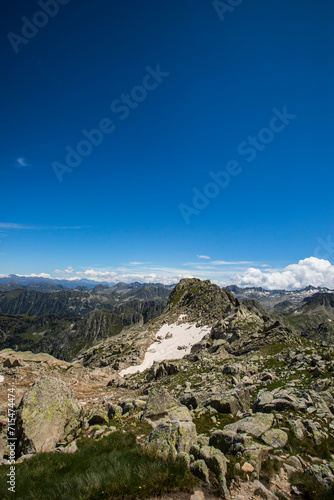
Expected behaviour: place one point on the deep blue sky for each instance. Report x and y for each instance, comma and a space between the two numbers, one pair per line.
225, 79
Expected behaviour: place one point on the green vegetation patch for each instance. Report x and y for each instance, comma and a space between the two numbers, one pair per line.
113, 468
205, 424
306, 446
310, 487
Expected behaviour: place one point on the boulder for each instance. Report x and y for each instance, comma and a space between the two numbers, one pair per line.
255, 425
114, 411
295, 462
315, 432
298, 429
247, 468
184, 458
232, 401
190, 401
275, 438
202, 440
47, 414
117, 381
216, 462
173, 437
223, 440
281, 400
174, 430
213, 458
200, 470
229, 441
264, 492
159, 403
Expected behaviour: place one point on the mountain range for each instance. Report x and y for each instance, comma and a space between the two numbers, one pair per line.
240, 395
238, 392
45, 317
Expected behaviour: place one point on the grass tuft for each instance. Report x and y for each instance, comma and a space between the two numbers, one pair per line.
310, 487
113, 468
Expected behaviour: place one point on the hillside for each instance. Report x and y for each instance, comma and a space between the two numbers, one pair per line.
79, 302
65, 322
194, 306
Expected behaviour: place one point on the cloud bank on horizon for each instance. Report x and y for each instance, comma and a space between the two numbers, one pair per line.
310, 271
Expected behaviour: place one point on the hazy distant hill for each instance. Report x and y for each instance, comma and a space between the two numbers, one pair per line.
40, 283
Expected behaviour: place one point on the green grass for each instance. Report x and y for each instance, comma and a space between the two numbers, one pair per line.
177, 296
113, 468
310, 487
204, 422
269, 469
307, 446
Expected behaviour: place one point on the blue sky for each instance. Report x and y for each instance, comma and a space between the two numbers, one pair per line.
185, 93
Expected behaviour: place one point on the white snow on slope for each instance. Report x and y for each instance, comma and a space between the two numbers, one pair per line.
183, 335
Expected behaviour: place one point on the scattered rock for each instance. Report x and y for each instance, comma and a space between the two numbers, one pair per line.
231, 402
247, 467
275, 438
12, 363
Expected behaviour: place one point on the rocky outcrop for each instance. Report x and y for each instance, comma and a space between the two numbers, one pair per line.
174, 430
160, 370
202, 301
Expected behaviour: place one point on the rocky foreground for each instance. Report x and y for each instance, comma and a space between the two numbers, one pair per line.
250, 409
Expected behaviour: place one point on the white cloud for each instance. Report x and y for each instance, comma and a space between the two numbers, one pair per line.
310, 271
227, 263
67, 271
22, 162
108, 276
203, 257
12, 225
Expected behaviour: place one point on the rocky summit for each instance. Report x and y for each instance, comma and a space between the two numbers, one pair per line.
238, 396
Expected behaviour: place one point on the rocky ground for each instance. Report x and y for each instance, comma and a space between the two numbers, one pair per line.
250, 409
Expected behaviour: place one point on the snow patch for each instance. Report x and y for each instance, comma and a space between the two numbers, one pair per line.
173, 342
2, 378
